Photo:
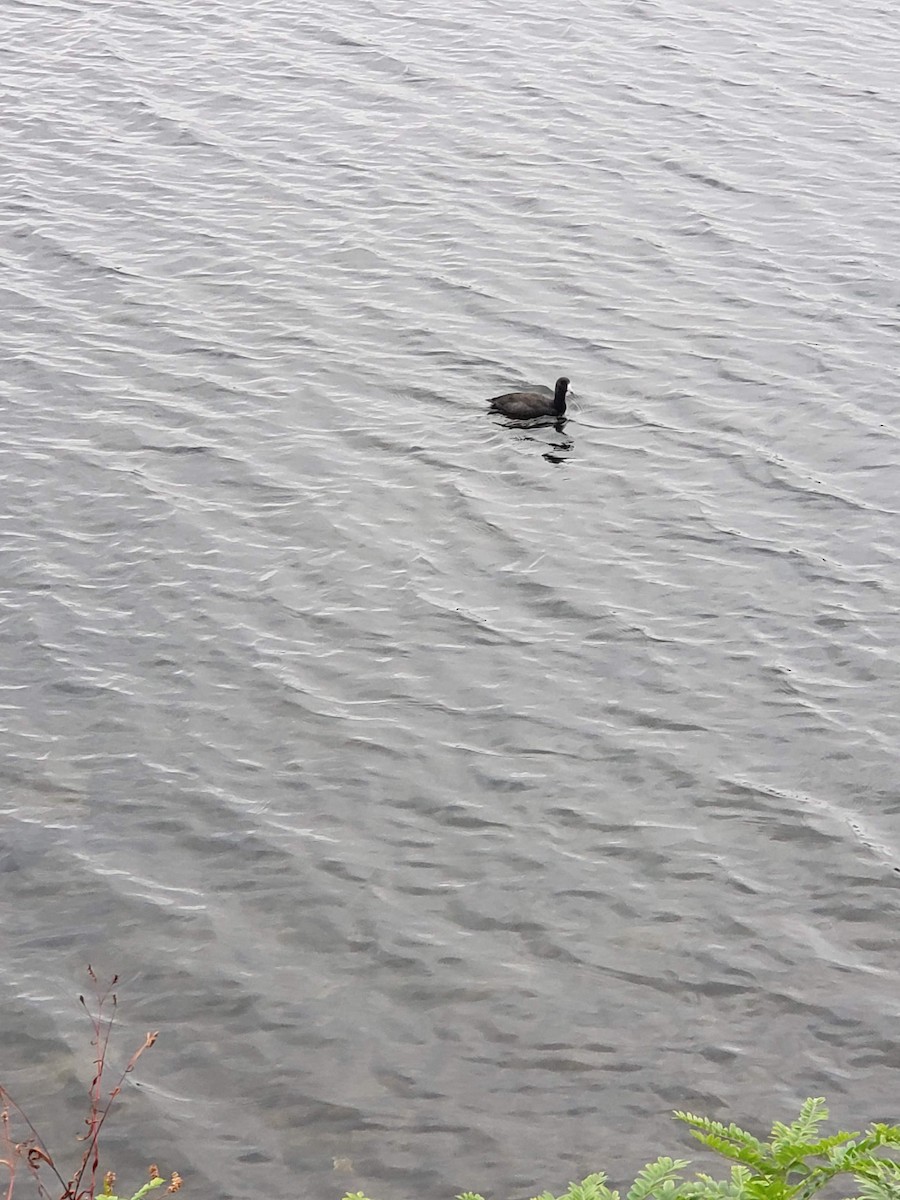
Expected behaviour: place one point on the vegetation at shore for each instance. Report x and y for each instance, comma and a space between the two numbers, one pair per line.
29, 1155
795, 1163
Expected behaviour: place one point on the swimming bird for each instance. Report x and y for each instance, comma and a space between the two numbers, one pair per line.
523, 406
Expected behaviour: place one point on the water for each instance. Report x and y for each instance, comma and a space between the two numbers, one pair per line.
457, 799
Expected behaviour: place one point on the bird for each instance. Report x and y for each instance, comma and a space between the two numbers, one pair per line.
523, 406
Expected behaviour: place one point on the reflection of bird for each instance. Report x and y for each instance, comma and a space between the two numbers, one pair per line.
523, 406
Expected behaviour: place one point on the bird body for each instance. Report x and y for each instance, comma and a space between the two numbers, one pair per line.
524, 406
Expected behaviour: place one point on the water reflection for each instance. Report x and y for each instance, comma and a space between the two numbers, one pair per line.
556, 451
560, 450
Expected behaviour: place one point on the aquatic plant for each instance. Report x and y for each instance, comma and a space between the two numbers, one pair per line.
794, 1164
31, 1153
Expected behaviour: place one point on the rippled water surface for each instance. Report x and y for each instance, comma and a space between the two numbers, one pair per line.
457, 798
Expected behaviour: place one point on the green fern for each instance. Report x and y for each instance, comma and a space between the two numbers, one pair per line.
655, 1177
734, 1188
593, 1187
758, 1160
824, 1146
882, 1135
728, 1140
806, 1128
881, 1182
794, 1164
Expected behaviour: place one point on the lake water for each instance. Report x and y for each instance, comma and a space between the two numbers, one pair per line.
457, 799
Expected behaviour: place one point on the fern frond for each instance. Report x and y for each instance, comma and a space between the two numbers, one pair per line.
734, 1188
740, 1176
592, 1187
717, 1133
881, 1174
853, 1154
881, 1185
758, 1161
878, 1168
769, 1187
824, 1146
813, 1112
650, 1180
672, 1189
884, 1135
840, 1154
704, 1187
789, 1153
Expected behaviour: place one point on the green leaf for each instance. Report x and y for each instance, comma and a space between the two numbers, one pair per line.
804, 1130
885, 1135
729, 1140
592, 1187
757, 1160
654, 1175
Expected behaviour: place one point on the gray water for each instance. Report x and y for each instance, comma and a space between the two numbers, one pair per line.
456, 798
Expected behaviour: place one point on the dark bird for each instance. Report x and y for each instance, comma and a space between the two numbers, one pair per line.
523, 406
